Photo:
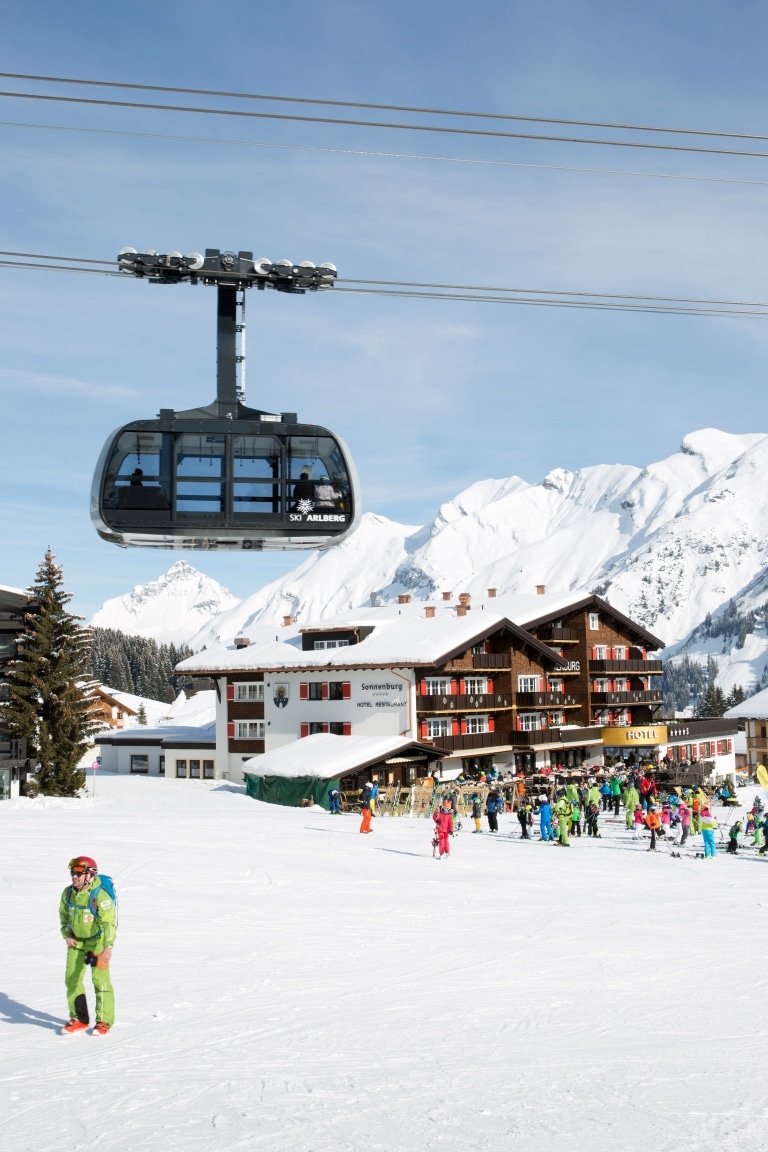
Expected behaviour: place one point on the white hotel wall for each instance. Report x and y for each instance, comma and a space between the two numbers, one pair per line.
381, 703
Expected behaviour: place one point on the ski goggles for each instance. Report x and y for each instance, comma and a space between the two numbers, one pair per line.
78, 869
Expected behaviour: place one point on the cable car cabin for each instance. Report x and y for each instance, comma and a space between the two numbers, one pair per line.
261, 483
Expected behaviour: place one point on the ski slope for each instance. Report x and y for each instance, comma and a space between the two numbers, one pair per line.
286, 984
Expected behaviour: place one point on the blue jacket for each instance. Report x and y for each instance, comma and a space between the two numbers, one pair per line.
493, 805
545, 813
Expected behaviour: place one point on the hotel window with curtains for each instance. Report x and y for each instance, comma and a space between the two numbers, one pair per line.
249, 730
476, 724
436, 728
249, 691
436, 686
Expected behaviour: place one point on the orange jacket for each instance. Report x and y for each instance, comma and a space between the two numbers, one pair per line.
652, 820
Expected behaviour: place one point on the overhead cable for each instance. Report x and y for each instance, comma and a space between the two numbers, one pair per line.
483, 132
383, 107
384, 155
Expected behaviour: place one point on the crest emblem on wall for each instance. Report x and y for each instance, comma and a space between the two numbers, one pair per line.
281, 695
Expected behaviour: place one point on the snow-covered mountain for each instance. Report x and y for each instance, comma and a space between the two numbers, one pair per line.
666, 544
170, 609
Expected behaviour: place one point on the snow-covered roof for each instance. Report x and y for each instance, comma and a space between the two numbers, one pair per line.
327, 757
178, 734
197, 710
754, 708
401, 636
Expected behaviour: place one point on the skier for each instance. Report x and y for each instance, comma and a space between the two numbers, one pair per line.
477, 810
685, 821
654, 823
615, 793
630, 799
575, 828
373, 796
492, 805
334, 801
545, 818
638, 818
593, 811
606, 794
708, 825
524, 816
365, 808
563, 810
87, 918
443, 819
733, 837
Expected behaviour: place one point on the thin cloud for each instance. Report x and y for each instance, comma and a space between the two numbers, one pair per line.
62, 386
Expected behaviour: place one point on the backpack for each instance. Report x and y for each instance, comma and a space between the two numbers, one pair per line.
106, 884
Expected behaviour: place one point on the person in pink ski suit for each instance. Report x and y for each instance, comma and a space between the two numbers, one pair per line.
638, 818
443, 818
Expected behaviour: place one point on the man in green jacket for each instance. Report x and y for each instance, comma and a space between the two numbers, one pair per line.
88, 925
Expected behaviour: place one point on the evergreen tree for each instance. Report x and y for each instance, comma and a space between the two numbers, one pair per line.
141, 715
49, 705
713, 704
736, 696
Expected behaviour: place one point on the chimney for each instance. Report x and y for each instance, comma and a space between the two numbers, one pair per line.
241, 641
446, 595
287, 621
540, 589
461, 609
429, 611
465, 599
491, 593
404, 598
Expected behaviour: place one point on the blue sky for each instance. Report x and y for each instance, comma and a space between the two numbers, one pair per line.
430, 395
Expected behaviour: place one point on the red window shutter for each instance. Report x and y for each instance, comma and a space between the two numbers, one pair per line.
518, 725
324, 691
304, 728
231, 730
326, 728
487, 647
730, 745
463, 727
454, 727
424, 735
462, 687
423, 688
491, 724
594, 653
230, 691
454, 688
346, 690
346, 729
489, 686
303, 691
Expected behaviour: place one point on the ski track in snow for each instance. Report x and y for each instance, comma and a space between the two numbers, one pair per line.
293, 992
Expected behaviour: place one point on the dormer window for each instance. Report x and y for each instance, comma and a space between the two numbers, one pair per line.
594, 621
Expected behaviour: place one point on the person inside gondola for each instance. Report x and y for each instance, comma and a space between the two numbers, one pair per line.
137, 478
326, 495
303, 489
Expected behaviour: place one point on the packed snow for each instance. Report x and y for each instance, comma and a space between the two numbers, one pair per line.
284, 983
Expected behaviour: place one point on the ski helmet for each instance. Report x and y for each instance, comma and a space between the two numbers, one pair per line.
83, 864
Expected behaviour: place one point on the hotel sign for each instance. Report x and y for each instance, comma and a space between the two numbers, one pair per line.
636, 736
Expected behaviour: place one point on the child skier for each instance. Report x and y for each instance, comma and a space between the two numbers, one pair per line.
545, 818
443, 819
653, 822
638, 818
733, 837
708, 825
477, 813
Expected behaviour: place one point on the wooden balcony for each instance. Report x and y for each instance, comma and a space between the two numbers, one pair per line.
651, 696
472, 742
482, 701
550, 635
496, 660
642, 667
547, 699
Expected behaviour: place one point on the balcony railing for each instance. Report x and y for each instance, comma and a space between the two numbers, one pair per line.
491, 660
651, 696
547, 699
549, 635
644, 667
471, 741
483, 701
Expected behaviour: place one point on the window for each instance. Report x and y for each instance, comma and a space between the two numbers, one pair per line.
620, 652
338, 729
315, 690
208, 769
439, 727
482, 649
249, 730
315, 728
437, 686
319, 644
527, 683
140, 765
477, 724
476, 685
181, 769
556, 684
601, 652
594, 621
336, 690
194, 769
556, 718
7, 644
249, 691
529, 721
161, 766
602, 685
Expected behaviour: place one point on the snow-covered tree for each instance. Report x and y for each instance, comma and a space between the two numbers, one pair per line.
49, 704
141, 715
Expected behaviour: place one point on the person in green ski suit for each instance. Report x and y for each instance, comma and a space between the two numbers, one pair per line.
87, 918
615, 794
564, 809
630, 800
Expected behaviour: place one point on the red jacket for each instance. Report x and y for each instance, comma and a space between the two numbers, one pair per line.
444, 821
